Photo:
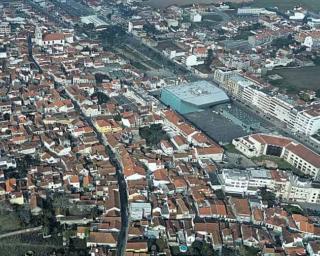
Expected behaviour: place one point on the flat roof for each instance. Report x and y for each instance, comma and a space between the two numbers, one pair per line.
260, 173
199, 93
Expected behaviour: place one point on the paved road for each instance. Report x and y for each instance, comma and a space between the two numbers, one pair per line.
19, 232
48, 14
278, 126
74, 8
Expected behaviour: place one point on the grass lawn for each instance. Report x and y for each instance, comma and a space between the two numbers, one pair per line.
311, 5
296, 79
9, 221
231, 149
19, 245
282, 164
212, 17
292, 209
248, 251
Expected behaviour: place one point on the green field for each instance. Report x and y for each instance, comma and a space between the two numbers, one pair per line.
9, 221
20, 244
296, 79
311, 5
212, 17
282, 164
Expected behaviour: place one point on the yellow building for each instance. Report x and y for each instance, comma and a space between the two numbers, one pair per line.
103, 126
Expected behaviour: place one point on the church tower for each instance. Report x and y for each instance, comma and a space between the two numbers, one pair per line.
38, 36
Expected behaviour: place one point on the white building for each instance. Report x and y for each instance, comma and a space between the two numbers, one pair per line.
195, 17
297, 16
48, 39
284, 185
282, 110
139, 211
294, 153
222, 76
303, 159
95, 20
192, 60
245, 181
308, 121
5, 28
135, 25
302, 191
305, 121
254, 11
7, 163
166, 147
314, 23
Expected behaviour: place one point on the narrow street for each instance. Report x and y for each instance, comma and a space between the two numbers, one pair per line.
123, 234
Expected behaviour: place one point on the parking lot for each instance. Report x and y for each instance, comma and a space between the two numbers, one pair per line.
216, 126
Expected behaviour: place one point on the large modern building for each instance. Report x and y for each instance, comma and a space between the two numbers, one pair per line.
296, 154
192, 97
305, 121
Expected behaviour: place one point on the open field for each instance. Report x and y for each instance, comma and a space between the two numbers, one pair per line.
9, 221
212, 17
166, 3
295, 79
19, 245
312, 5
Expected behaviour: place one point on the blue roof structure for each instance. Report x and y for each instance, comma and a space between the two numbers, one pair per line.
192, 97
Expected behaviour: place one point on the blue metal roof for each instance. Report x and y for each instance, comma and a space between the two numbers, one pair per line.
200, 93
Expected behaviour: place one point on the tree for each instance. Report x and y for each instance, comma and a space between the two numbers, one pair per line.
117, 117
89, 27
201, 248
102, 98
267, 196
153, 134
61, 202
209, 57
161, 244
150, 29
100, 77
94, 212
6, 116
24, 215
283, 41
248, 251
113, 35
207, 250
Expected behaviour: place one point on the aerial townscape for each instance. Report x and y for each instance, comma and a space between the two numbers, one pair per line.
159, 127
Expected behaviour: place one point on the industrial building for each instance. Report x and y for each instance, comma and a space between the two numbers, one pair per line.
193, 97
